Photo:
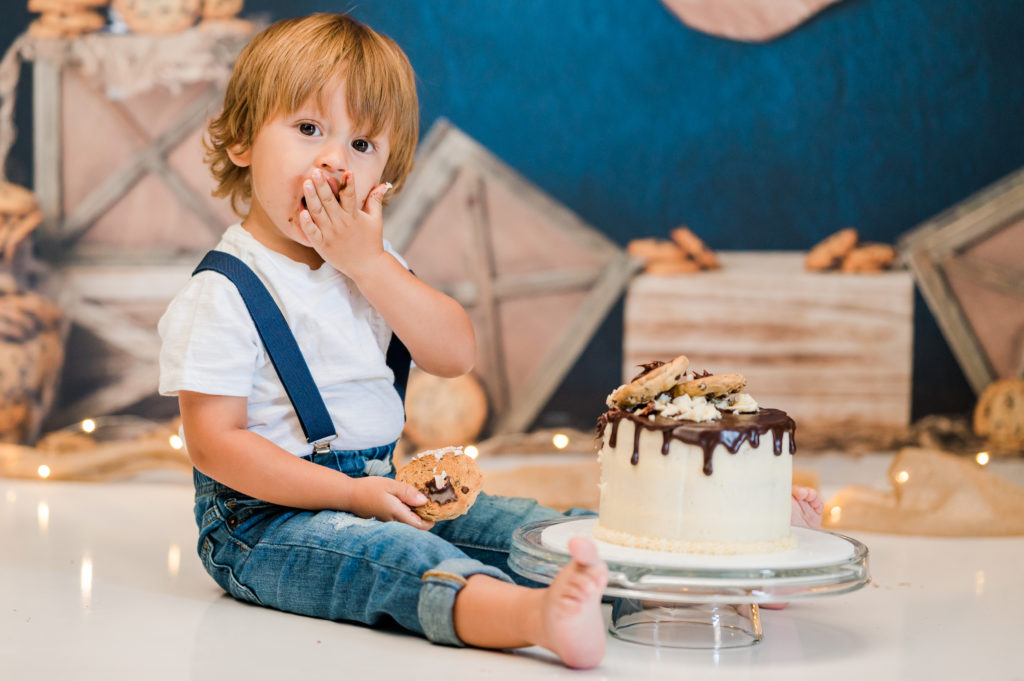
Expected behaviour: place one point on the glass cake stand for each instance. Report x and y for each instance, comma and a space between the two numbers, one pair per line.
681, 600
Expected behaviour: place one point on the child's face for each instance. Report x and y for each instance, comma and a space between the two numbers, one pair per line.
287, 149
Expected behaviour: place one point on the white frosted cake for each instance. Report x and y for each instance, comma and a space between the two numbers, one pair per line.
706, 473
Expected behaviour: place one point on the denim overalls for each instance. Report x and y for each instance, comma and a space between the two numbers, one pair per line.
335, 565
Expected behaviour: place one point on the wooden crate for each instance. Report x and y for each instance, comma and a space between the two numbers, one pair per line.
828, 348
969, 264
125, 196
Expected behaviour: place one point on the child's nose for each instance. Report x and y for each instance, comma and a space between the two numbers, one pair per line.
332, 158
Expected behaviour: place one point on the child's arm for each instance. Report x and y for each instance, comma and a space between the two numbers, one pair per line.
434, 327
220, 446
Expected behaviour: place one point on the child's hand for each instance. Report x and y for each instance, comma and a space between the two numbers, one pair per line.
345, 235
385, 499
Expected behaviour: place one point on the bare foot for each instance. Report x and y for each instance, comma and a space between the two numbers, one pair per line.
573, 625
807, 507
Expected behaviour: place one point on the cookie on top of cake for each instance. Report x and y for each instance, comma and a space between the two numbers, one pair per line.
690, 463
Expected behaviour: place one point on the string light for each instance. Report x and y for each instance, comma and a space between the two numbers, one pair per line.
88, 425
560, 440
176, 442
902, 477
982, 458
471, 451
834, 514
43, 471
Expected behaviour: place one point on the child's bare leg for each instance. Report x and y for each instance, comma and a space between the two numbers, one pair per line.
807, 507
565, 617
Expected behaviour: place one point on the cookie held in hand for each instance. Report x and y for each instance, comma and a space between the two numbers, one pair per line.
448, 477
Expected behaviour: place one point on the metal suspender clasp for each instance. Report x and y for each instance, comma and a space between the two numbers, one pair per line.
323, 445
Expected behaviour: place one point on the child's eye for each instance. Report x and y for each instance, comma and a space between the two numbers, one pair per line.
362, 145
308, 129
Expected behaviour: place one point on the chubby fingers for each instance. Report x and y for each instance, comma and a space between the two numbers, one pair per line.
347, 195
319, 194
314, 236
409, 496
374, 203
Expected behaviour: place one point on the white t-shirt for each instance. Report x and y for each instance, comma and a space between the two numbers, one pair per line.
210, 345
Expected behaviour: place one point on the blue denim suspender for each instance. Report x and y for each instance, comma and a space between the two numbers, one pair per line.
285, 354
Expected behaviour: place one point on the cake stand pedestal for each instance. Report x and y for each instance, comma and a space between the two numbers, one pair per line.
681, 600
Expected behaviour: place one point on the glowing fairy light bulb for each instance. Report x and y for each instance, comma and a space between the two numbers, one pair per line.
982, 458
560, 440
43, 471
902, 477
471, 451
176, 442
88, 425
835, 513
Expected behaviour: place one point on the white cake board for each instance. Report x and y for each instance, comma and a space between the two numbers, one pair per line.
813, 549
696, 600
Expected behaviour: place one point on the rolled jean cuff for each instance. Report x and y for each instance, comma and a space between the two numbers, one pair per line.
436, 609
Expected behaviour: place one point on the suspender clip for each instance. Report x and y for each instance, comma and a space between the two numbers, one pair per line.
323, 445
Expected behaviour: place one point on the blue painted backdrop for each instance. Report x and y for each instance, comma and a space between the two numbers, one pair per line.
876, 114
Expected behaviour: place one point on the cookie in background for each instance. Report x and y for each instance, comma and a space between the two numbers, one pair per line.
684, 253
844, 251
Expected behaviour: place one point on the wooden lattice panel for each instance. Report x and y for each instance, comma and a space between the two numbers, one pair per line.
534, 278
969, 264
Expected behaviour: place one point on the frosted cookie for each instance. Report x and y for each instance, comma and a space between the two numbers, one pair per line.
450, 479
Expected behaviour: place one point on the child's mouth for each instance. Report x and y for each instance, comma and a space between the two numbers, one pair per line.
335, 191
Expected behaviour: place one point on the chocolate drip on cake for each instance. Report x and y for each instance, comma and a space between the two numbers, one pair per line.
731, 431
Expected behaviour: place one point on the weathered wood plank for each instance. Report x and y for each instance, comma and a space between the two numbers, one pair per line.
827, 348
47, 143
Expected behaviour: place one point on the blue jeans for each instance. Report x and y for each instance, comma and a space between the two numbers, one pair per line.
335, 565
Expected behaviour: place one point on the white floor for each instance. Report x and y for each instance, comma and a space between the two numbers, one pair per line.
100, 581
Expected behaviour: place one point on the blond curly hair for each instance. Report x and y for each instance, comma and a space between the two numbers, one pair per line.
293, 60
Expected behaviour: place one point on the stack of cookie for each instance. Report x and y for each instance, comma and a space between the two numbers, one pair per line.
161, 17
31, 349
684, 254
66, 18
843, 251
158, 17
19, 215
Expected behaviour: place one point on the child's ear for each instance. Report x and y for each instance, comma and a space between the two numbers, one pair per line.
240, 155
